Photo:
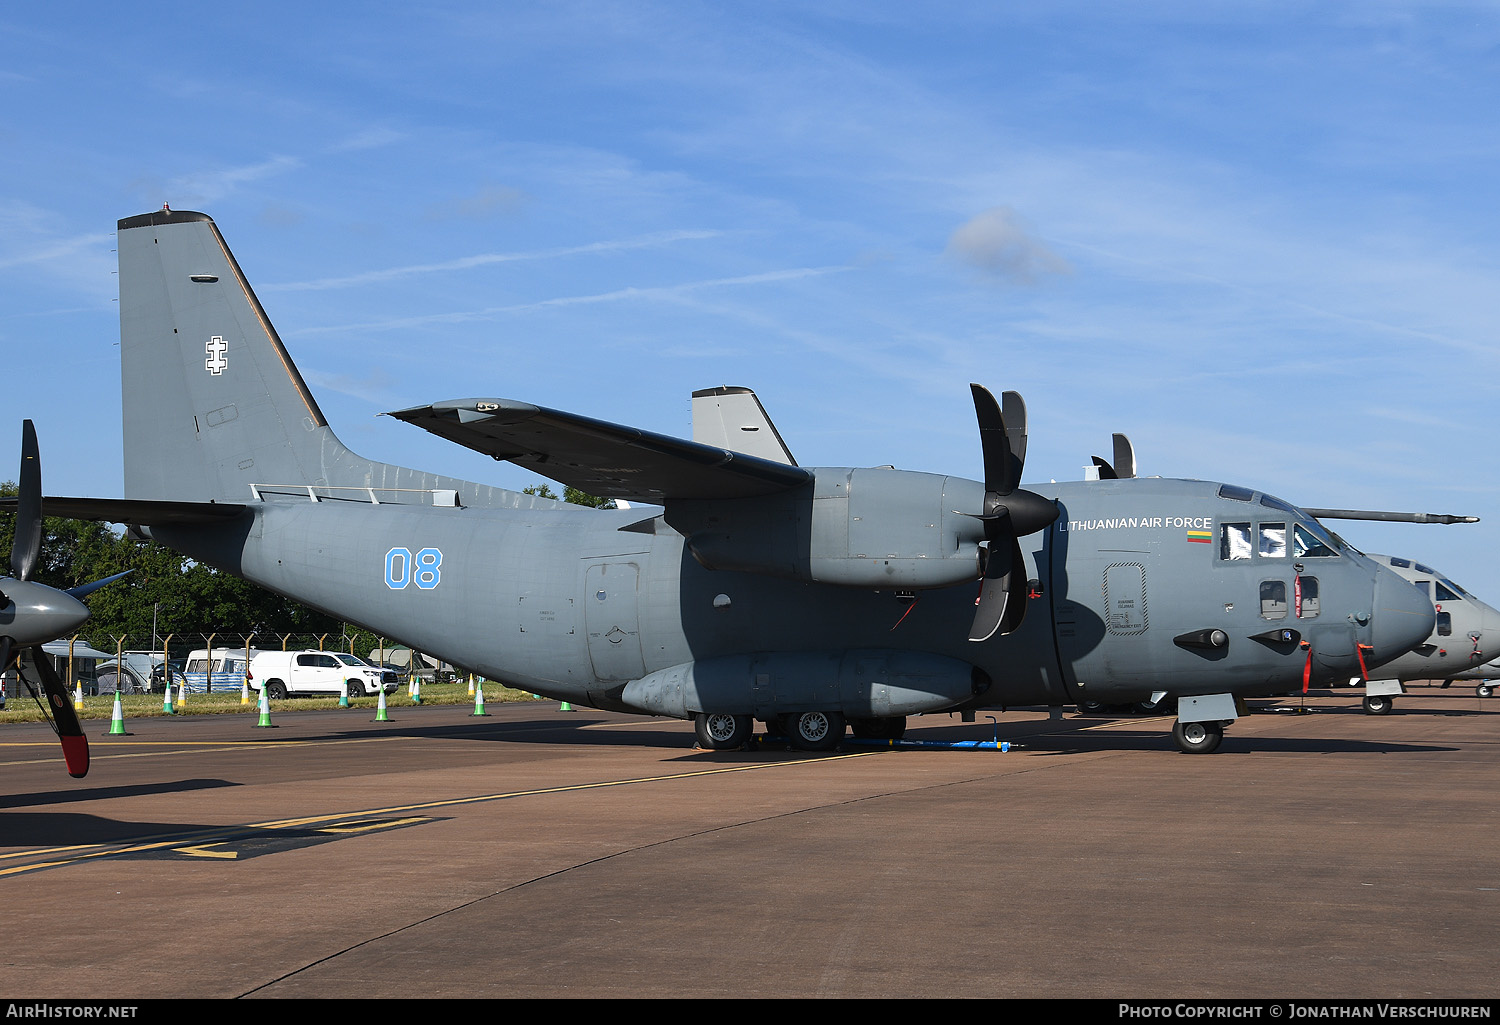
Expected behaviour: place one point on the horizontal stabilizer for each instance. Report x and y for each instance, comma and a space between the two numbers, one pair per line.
600, 458
137, 512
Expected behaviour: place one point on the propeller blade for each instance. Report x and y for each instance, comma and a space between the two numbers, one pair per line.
1013, 409
74, 744
94, 585
1106, 472
1002, 601
28, 541
1124, 457
1002, 472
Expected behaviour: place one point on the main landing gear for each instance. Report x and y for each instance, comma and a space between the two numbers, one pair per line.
814, 731
720, 731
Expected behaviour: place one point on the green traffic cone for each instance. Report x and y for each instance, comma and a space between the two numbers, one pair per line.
479, 702
344, 697
117, 720
166, 701
380, 715
265, 711
565, 707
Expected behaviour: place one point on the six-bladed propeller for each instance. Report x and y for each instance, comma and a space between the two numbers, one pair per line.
1010, 513
33, 613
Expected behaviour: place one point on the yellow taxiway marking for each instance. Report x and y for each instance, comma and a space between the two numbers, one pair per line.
202, 851
99, 750
334, 822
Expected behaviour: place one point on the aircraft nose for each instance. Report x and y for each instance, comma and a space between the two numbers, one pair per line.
1403, 616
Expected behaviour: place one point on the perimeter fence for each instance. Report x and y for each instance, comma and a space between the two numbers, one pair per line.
214, 662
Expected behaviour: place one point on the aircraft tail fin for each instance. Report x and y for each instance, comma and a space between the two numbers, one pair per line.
214, 408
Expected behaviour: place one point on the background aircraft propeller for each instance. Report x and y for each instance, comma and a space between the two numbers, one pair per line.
1010, 513
1123, 467
34, 613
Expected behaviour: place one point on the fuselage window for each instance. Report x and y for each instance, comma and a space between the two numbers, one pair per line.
1273, 540
1308, 545
1445, 624
1234, 541
1273, 599
1307, 597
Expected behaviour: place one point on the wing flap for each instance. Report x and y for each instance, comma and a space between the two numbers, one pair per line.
601, 458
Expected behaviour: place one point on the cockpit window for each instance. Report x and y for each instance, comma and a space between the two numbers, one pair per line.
1234, 541
1309, 543
1401, 563
1271, 502
1426, 569
1237, 493
1445, 592
1273, 540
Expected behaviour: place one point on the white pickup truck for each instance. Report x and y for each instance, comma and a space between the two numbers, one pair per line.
283, 673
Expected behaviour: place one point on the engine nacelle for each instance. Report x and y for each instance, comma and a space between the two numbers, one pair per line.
866, 527
860, 683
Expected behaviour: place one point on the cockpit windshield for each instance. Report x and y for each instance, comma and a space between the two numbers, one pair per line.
1310, 541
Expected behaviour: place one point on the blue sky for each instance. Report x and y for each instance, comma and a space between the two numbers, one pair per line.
1261, 239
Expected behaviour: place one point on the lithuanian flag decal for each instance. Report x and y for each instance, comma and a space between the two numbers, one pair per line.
1202, 537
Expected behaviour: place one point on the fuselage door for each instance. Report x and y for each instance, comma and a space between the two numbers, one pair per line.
1125, 599
610, 617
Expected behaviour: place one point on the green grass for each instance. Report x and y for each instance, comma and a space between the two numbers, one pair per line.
139, 706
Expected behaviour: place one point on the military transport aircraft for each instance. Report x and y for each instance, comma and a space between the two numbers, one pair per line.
32, 613
807, 598
1455, 649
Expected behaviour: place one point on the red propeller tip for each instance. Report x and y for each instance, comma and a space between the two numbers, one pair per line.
76, 754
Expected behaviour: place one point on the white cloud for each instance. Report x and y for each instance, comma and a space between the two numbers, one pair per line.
999, 243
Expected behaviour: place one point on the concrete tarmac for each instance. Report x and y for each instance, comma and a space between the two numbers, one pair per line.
541, 853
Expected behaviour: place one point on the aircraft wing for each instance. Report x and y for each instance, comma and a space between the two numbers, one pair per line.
604, 459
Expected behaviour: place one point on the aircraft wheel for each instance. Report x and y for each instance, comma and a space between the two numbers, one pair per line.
1485, 690
356, 688
1090, 708
1197, 738
885, 728
720, 731
815, 731
1149, 707
1379, 704
276, 690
